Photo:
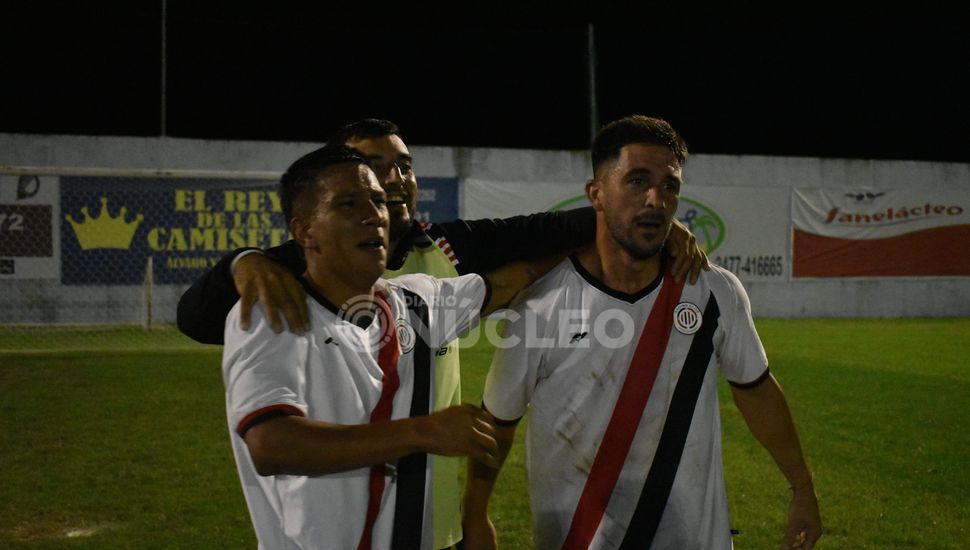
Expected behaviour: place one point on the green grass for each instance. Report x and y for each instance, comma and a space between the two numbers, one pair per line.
40, 339
881, 408
128, 447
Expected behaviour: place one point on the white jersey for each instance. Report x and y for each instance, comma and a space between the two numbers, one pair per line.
568, 355
332, 374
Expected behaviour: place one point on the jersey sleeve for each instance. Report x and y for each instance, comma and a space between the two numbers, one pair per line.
484, 245
514, 372
264, 372
454, 304
741, 355
203, 307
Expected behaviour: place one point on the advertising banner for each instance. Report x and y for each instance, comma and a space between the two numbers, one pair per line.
110, 226
437, 200
744, 229
880, 233
28, 241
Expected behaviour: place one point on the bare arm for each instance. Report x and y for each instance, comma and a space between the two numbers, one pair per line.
478, 528
768, 417
507, 281
299, 446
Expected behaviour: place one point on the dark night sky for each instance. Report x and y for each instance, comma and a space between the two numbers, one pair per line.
892, 88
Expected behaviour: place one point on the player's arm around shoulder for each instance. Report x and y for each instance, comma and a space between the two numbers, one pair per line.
247, 275
272, 278
689, 258
509, 280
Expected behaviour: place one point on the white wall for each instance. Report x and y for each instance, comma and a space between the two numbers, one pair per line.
884, 297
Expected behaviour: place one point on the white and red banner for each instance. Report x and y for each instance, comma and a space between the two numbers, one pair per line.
880, 233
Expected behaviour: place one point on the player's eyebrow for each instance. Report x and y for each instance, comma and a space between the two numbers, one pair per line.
351, 194
674, 179
641, 171
402, 156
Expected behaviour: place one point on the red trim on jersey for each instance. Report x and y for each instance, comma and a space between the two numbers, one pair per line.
445, 247
387, 359
625, 420
244, 424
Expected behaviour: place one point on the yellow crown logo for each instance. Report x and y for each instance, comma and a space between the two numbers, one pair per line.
104, 231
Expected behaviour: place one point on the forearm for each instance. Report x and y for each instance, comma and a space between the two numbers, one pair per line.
295, 445
300, 446
480, 482
511, 279
767, 415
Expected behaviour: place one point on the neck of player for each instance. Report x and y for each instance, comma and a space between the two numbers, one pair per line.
616, 267
339, 290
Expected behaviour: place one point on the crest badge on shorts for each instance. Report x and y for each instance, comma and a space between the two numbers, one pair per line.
687, 318
405, 335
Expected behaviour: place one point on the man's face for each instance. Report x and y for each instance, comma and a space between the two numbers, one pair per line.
346, 225
393, 165
638, 195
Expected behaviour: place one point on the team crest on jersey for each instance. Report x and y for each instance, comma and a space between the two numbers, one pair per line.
405, 335
687, 318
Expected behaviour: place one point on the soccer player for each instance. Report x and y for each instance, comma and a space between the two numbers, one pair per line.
441, 249
330, 429
615, 362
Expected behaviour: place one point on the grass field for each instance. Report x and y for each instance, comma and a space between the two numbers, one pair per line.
127, 447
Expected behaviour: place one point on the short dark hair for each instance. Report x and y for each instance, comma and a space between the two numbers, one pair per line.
636, 129
303, 174
365, 128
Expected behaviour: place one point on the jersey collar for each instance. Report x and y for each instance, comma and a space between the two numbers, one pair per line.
629, 298
362, 321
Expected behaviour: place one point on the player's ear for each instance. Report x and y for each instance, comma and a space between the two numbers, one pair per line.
300, 227
593, 194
